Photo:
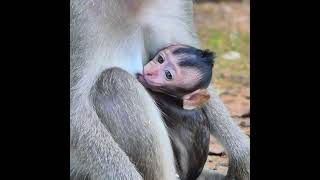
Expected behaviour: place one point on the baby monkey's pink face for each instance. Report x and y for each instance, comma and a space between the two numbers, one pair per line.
164, 71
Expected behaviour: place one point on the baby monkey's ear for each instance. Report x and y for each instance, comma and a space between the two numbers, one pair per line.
195, 99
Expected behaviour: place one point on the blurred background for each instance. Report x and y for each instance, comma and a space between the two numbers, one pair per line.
224, 27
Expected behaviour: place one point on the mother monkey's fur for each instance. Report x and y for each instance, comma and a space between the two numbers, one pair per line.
116, 129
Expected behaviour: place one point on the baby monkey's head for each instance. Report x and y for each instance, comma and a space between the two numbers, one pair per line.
180, 71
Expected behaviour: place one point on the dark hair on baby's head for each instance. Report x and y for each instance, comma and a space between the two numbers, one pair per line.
208, 55
203, 60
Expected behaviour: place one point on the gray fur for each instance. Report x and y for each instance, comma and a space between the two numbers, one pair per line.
140, 137
116, 131
237, 144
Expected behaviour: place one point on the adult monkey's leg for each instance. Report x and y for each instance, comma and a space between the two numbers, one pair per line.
94, 153
117, 126
130, 115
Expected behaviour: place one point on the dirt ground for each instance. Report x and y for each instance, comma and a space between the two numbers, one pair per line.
227, 17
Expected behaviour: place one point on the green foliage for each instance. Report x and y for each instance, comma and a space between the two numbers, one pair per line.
228, 73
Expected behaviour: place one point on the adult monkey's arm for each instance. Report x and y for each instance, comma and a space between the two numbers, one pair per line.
236, 143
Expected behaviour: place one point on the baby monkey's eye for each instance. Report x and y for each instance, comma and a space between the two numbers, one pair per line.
168, 75
160, 59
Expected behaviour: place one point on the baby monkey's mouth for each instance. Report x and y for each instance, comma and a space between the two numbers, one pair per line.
141, 79
158, 89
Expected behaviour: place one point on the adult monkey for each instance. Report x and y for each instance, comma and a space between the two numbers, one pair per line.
116, 130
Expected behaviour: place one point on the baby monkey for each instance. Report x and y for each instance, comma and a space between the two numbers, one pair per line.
177, 78
182, 72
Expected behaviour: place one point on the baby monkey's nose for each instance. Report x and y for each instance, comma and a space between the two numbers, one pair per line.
152, 73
